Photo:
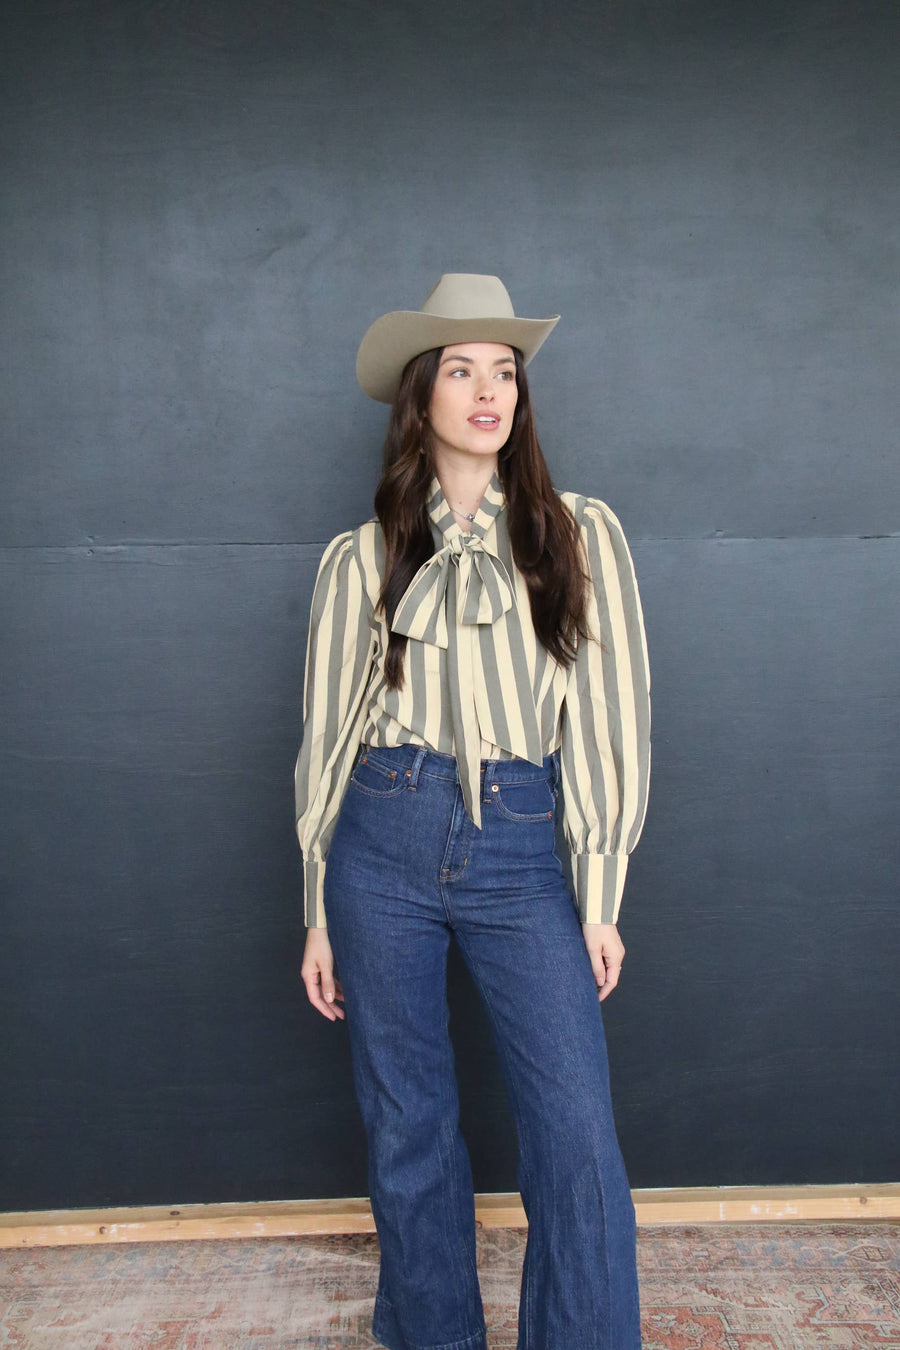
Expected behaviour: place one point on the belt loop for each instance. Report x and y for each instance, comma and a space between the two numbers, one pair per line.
413, 773
557, 773
488, 780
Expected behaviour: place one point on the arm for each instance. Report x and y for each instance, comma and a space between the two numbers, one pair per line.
605, 750
338, 659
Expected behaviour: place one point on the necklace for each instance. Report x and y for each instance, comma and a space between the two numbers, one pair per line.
462, 515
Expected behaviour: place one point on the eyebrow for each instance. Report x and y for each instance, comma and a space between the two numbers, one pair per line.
468, 360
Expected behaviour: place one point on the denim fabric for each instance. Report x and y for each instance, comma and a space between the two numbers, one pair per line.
406, 868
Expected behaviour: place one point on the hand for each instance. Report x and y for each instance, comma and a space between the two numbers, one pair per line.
317, 972
606, 951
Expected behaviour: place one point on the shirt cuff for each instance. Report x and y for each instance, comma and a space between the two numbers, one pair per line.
599, 880
314, 887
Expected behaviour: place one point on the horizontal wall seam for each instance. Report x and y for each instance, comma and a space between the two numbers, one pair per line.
636, 539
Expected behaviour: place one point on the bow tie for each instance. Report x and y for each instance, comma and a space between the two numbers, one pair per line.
468, 583
483, 590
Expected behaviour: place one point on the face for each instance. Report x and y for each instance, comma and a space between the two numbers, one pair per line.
473, 400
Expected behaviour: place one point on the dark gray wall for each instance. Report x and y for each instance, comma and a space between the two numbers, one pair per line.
203, 208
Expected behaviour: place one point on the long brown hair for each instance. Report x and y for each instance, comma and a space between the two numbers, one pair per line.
543, 533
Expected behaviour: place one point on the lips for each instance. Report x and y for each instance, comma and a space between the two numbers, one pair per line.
486, 421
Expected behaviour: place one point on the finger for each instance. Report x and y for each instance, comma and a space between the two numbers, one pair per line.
332, 990
318, 986
327, 1009
338, 998
599, 970
609, 984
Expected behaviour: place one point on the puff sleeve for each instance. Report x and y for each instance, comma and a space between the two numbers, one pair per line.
605, 734
338, 659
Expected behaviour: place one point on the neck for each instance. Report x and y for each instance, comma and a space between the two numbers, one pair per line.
464, 485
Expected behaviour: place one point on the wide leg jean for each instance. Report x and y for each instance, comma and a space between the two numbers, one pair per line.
406, 867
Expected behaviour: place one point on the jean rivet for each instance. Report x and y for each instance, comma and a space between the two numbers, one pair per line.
409, 773
494, 787
393, 773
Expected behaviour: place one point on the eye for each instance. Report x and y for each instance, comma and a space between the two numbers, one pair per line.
460, 370
507, 374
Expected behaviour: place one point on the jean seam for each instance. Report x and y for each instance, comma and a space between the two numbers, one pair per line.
524, 1136
379, 796
374, 756
530, 819
523, 820
449, 1140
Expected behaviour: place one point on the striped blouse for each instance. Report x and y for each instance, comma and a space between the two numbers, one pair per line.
478, 684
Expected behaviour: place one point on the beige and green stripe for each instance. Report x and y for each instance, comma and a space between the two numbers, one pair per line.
482, 689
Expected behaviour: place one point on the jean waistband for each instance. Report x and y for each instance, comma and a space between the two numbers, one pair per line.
418, 759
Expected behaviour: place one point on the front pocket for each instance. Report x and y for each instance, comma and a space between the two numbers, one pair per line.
532, 799
375, 779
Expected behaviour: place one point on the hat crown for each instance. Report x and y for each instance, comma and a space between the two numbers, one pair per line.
468, 295
462, 307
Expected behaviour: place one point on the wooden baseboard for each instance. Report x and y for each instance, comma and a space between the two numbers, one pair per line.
304, 1218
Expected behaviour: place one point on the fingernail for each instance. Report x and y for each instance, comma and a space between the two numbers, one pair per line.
329, 996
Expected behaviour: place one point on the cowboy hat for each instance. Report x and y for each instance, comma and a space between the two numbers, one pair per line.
463, 307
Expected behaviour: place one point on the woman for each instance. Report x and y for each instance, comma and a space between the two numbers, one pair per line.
476, 650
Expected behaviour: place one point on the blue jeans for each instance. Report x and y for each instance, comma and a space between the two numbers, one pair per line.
405, 868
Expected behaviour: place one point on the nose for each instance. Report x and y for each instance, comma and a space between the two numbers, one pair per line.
485, 389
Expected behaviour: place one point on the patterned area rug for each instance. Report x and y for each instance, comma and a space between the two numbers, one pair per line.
706, 1287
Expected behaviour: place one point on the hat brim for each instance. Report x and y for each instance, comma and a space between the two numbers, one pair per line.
396, 338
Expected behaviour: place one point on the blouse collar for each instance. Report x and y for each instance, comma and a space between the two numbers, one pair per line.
491, 504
